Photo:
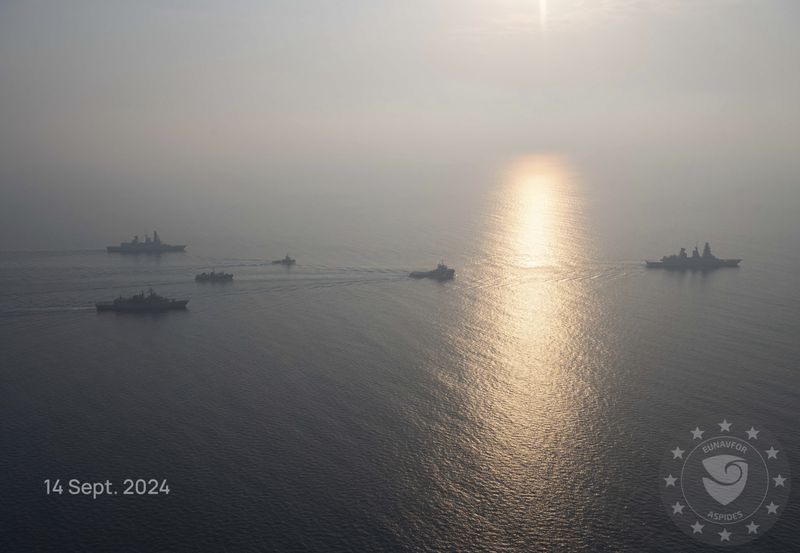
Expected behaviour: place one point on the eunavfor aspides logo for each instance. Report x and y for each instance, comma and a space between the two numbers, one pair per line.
725, 482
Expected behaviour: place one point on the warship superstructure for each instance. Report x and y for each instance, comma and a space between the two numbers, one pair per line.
441, 273
150, 245
696, 261
142, 303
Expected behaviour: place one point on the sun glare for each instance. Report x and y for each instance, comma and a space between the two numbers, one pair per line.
543, 14
540, 211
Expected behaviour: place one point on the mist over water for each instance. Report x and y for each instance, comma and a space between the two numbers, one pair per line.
265, 120
337, 404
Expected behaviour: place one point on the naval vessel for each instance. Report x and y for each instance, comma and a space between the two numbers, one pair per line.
441, 273
150, 245
141, 303
288, 261
696, 261
214, 276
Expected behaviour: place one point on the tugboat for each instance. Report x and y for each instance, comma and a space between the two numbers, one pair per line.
441, 273
141, 303
288, 261
681, 261
214, 276
154, 245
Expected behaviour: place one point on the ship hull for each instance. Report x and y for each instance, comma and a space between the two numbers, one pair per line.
143, 249
691, 266
435, 275
167, 306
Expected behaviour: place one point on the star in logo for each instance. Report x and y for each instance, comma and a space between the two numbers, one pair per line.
772, 509
752, 434
697, 434
725, 535
670, 480
724, 426
678, 508
772, 453
677, 453
779, 480
697, 528
752, 528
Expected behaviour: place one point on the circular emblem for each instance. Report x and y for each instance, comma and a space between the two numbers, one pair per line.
725, 483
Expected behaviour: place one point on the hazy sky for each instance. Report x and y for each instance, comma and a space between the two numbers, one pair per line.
104, 102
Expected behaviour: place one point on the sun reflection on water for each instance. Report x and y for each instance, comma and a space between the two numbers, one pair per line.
534, 314
538, 217
528, 339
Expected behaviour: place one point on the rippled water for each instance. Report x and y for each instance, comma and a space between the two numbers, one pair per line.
339, 406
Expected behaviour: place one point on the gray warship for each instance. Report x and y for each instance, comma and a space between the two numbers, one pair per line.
141, 303
696, 261
214, 276
150, 245
441, 273
288, 261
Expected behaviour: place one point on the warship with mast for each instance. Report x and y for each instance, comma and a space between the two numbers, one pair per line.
696, 261
142, 303
150, 245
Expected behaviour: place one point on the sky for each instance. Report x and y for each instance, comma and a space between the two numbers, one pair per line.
107, 104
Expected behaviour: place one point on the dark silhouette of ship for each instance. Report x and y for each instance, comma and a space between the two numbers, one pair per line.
704, 262
288, 261
154, 245
214, 276
141, 303
441, 273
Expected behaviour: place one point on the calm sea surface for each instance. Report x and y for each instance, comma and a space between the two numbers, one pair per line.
339, 406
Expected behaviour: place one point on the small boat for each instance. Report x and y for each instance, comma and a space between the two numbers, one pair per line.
288, 261
214, 276
441, 273
141, 303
